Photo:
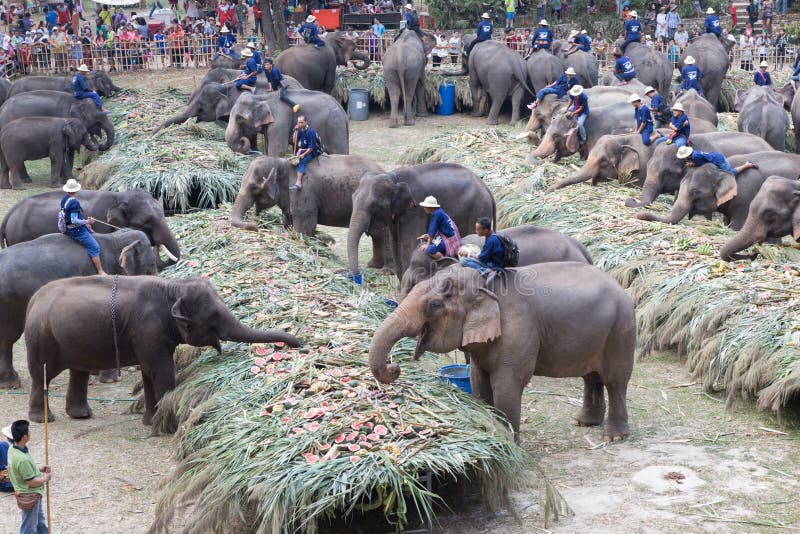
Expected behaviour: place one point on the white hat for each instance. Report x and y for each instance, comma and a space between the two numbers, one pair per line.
429, 202
709, 11
7, 432
577, 90
684, 152
409, 6
633, 14
583, 32
485, 16
224, 30
763, 64
634, 98
72, 186
311, 18
570, 72
543, 23
247, 52
688, 61
678, 107
83, 68
573, 33
649, 89
251, 44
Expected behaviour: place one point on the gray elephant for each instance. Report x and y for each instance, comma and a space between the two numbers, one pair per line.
795, 112
35, 216
265, 113
58, 104
707, 189
5, 89
326, 199
23, 272
584, 63
652, 67
404, 71
315, 68
64, 314
508, 335
786, 95
98, 81
32, 138
712, 58
665, 171
543, 69
390, 200
499, 72
697, 107
229, 62
536, 245
634, 86
762, 114
774, 212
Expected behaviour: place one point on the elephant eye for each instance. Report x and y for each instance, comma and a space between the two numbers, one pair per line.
435, 305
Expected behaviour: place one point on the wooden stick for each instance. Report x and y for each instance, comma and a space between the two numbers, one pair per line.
47, 449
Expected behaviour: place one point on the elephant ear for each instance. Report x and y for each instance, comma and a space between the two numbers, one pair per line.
740, 94
70, 134
180, 319
402, 199
629, 160
118, 215
726, 188
482, 323
223, 107
270, 184
796, 216
262, 116
571, 140
131, 255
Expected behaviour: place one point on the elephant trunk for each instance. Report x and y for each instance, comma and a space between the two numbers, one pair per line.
232, 330
89, 143
108, 128
679, 210
163, 237
243, 202
650, 190
190, 112
546, 148
587, 172
234, 138
394, 328
359, 223
749, 235
363, 58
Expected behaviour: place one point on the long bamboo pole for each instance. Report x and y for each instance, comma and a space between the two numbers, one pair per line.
47, 448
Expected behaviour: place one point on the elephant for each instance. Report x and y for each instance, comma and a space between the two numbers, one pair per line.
543, 69
584, 63
265, 113
315, 68
58, 104
98, 81
707, 189
5, 89
69, 326
389, 200
697, 107
561, 137
221, 75
326, 199
536, 245
795, 112
786, 95
712, 58
499, 72
665, 171
35, 216
773, 213
652, 67
32, 138
229, 62
508, 334
762, 114
28, 266
634, 86
404, 71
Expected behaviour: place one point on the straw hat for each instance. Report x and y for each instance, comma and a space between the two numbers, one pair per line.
409, 6
633, 14
573, 33
688, 61
430, 202
543, 23
7, 432
584, 32
649, 89
224, 30
678, 107
763, 64
83, 68
709, 11
72, 186
485, 16
251, 44
311, 18
247, 52
634, 98
684, 152
577, 90
570, 72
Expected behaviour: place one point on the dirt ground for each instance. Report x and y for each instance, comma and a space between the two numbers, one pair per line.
690, 465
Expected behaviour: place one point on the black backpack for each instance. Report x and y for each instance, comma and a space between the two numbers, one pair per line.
318, 141
510, 251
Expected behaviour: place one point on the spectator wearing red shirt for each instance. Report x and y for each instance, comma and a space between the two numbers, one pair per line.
62, 14
257, 17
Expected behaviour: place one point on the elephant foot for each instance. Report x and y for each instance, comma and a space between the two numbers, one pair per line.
423, 114
80, 411
147, 419
394, 124
409, 122
10, 382
53, 185
38, 416
27, 179
476, 114
491, 122
5, 186
19, 187
616, 432
375, 263
108, 376
588, 418
387, 270
633, 203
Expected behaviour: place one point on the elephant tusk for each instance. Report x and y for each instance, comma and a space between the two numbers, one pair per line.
523, 135
168, 253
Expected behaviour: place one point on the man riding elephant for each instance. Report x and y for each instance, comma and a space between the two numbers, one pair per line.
247, 80
658, 106
225, 43
277, 83
643, 118
711, 23
307, 148
412, 21
679, 124
81, 89
698, 158
690, 77
623, 67
542, 38
442, 238
560, 87
579, 42
483, 33
309, 31
579, 109
633, 31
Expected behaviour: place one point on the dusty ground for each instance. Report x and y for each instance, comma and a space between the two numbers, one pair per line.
688, 466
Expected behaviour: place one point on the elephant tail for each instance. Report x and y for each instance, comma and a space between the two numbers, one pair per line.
521, 75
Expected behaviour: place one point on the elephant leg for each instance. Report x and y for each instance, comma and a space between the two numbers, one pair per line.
507, 388
617, 423
107, 376
494, 109
77, 405
378, 251
36, 370
408, 99
422, 107
149, 399
4, 181
23, 174
9, 379
517, 99
481, 384
475, 89
594, 402
57, 166
304, 221
393, 86
163, 380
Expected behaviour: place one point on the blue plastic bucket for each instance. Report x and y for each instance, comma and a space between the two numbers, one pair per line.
358, 104
447, 95
458, 375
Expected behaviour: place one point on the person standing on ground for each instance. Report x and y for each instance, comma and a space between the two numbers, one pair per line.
511, 11
752, 13
241, 17
307, 148
28, 480
76, 226
442, 238
454, 43
378, 29
5, 445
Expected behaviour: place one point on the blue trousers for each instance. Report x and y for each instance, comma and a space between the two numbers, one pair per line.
245, 81
581, 130
85, 238
623, 79
228, 52
34, 522
796, 74
646, 133
316, 41
481, 267
548, 91
301, 167
89, 94
679, 140
434, 248
695, 86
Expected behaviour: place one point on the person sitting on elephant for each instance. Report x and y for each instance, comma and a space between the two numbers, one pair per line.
633, 31
679, 124
542, 38
490, 260
690, 76
247, 79
5, 445
579, 42
579, 109
256, 55
412, 22
442, 238
309, 31
658, 107
761, 76
643, 118
623, 67
698, 158
711, 24
483, 33
560, 87
225, 43
307, 148
81, 89
76, 226
277, 83
796, 70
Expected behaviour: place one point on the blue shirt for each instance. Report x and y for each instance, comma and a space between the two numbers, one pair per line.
307, 139
79, 84
711, 25
579, 102
309, 27
484, 30
259, 61
624, 67
543, 37
250, 68
274, 77
691, 76
73, 214
492, 253
564, 83
412, 20
642, 115
762, 78
584, 43
440, 223
378, 29
682, 124
633, 30
4, 446
225, 41
51, 18
701, 158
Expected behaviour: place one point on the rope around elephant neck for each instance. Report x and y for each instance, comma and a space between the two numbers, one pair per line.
114, 319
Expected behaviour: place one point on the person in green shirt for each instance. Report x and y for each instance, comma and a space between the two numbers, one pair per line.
27, 478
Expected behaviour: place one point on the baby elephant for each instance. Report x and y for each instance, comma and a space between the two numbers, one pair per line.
32, 138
